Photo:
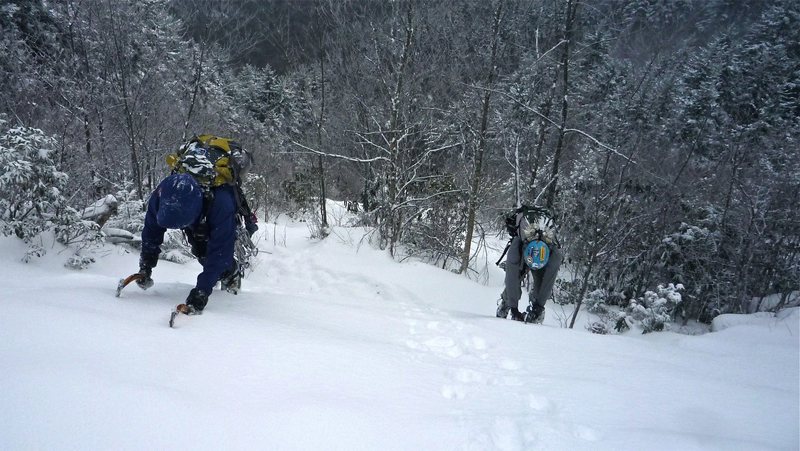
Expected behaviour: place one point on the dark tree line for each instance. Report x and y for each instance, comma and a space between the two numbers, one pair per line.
664, 134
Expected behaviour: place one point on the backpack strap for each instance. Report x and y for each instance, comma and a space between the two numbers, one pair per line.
201, 230
505, 251
242, 207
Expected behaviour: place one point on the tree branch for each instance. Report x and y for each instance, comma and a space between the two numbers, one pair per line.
342, 157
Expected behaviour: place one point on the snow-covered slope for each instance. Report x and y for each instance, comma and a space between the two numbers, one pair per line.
336, 346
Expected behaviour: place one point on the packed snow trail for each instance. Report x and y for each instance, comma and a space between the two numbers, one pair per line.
335, 346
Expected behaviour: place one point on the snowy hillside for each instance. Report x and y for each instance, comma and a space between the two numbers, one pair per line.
335, 346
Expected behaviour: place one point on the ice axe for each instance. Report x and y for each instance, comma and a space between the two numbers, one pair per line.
126, 281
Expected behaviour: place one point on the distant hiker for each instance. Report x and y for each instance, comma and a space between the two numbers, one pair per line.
533, 247
203, 197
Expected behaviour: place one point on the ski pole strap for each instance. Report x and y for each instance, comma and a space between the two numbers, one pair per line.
505, 251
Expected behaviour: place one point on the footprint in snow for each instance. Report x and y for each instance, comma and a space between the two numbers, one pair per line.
478, 343
510, 365
444, 346
453, 392
468, 376
540, 403
506, 434
434, 325
586, 433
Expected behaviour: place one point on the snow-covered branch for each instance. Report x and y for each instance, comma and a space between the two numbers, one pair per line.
600, 143
407, 203
341, 157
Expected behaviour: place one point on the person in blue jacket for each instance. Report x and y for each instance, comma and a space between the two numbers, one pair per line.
209, 221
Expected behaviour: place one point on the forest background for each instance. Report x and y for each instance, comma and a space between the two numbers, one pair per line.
662, 134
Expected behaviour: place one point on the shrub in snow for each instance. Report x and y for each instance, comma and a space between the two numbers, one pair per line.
70, 230
606, 306
34, 251
652, 312
595, 302
621, 323
690, 256
655, 310
79, 262
435, 233
30, 193
30, 185
130, 210
566, 291
598, 327
317, 230
299, 194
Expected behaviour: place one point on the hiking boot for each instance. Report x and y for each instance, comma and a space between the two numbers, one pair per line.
196, 302
192, 310
231, 280
232, 284
516, 315
502, 310
534, 314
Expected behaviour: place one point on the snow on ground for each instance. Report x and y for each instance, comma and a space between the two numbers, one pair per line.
333, 345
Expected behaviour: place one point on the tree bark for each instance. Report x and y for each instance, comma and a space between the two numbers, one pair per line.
569, 21
584, 288
323, 211
536, 161
392, 179
198, 75
481, 150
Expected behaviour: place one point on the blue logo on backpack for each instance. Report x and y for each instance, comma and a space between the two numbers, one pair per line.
536, 254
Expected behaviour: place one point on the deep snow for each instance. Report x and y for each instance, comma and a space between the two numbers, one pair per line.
332, 345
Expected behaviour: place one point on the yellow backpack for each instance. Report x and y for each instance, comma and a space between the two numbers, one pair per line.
212, 160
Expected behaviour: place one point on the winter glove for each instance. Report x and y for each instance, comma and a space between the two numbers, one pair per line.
146, 264
197, 299
199, 249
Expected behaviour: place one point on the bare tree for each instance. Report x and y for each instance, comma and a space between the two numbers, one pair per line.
480, 147
570, 15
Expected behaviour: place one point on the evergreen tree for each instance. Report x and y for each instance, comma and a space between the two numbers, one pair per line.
31, 187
